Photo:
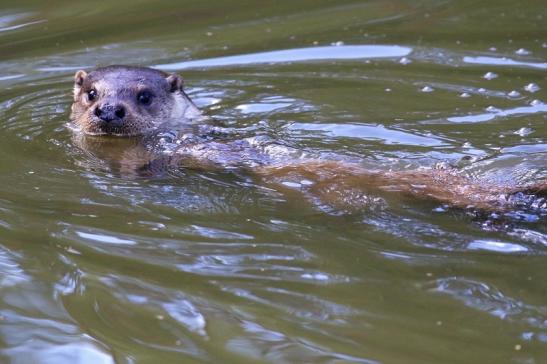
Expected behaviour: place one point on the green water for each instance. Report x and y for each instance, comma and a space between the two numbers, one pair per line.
207, 267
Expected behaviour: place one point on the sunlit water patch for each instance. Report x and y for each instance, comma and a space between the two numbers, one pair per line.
312, 54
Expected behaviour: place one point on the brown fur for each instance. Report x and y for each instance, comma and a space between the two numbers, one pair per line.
120, 86
333, 182
336, 183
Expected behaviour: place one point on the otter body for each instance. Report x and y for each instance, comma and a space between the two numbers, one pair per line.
135, 101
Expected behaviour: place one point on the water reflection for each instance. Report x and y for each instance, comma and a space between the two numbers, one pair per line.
370, 132
344, 52
503, 61
493, 113
488, 299
210, 266
33, 328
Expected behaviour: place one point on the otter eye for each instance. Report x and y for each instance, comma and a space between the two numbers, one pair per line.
144, 97
92, 95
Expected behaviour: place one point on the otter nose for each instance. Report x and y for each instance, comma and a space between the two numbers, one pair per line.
110, 112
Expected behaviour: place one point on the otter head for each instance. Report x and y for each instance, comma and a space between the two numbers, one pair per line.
124, 100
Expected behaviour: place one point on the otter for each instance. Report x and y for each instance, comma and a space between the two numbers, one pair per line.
127, 101
136, 101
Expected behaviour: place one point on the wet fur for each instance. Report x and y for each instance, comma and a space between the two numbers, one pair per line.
119, 85
341, 184
334, 183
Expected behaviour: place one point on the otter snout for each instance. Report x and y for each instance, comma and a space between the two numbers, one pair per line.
108, 112
126, 101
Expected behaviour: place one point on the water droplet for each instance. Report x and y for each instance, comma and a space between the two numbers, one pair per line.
532, 87
337, 44
481, 90
535, 102
490, 75
209, 34
524, 132
513, 93
388, 90
492, 109
522, 52
427, 89
405, 61
465, 95
492, 49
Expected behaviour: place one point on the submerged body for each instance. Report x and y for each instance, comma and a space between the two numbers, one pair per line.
136, 101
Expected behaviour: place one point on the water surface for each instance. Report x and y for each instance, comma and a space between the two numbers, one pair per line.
209, 266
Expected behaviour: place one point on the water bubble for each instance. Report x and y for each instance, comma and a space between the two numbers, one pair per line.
532, 87
513, 93
492, 49
524, 131
522, 52
427, 89
481, 90
492, 109
536, 102
388, 90
544, 45
405, 61
490, 75
337, 44
465, 95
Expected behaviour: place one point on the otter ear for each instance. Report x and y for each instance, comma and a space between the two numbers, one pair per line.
175, 82
79, 79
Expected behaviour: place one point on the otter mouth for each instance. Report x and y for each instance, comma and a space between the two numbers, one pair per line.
101, 130
113, 127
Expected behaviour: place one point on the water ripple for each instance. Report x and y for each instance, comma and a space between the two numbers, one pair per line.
483, 297
503, 61
295, 55
537, 107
